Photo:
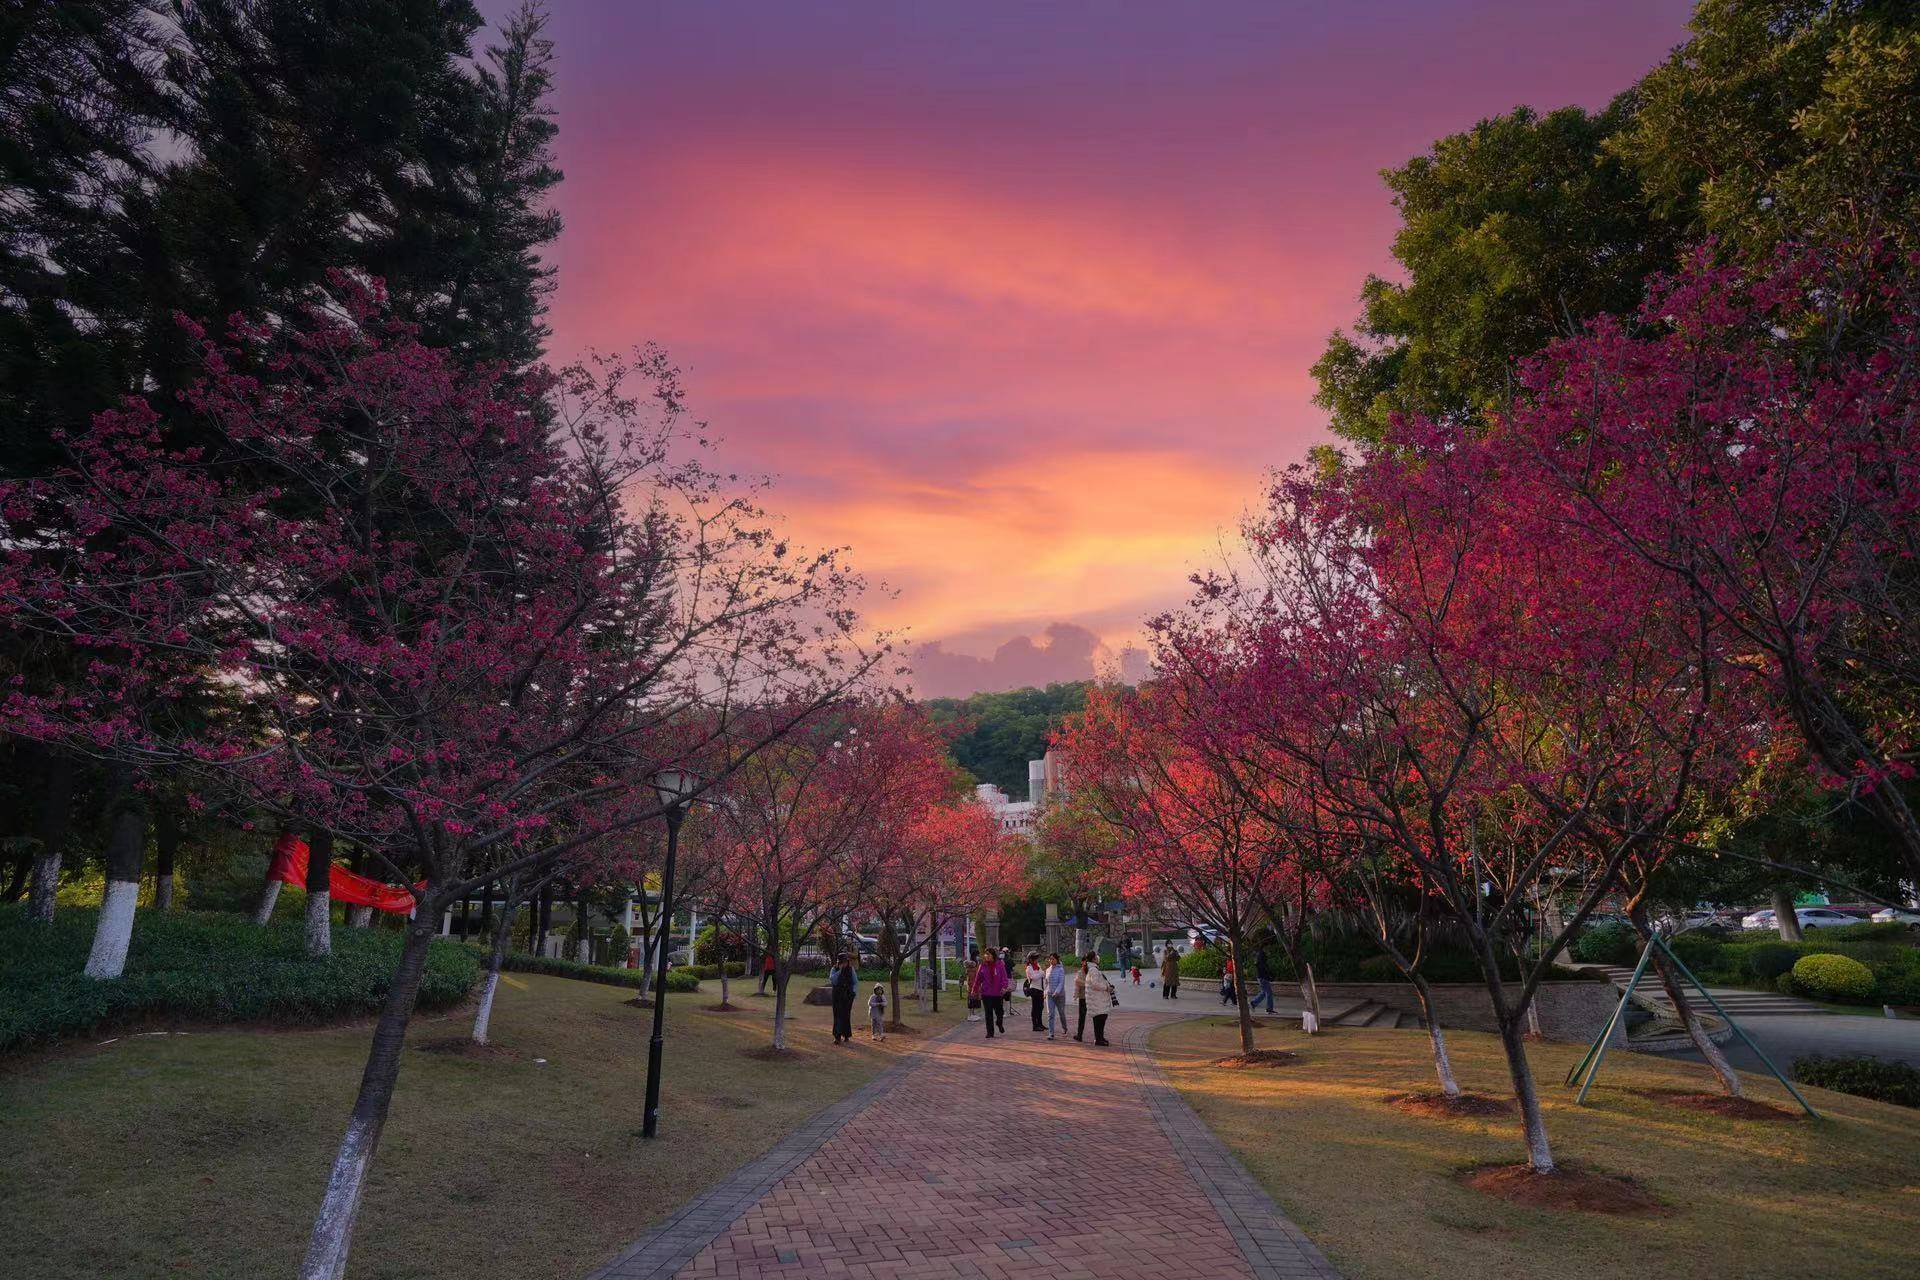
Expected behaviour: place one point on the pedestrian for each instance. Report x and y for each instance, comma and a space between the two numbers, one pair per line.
995, 986
1080, 996
846, 985
1263, 974
766, 971
1036, 998
877, 1010
1170, 973
970, 977
1056, 987
1226, 983
1101, 998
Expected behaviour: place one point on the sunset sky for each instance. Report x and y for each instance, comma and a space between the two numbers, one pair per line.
1017, 300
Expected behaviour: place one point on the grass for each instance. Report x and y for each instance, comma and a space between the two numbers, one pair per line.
207, 1152
1378, 1189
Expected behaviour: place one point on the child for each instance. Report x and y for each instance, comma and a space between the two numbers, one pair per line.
877, 1008
1136, 975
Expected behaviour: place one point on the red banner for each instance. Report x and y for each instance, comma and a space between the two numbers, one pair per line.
344, 886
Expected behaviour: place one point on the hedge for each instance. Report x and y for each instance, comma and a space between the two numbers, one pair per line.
1830, 977
200, 966
1864, 1077
1764, 961
1607, 944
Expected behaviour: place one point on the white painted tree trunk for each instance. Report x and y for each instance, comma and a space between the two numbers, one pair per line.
268, 896
484, 1014
319, 923
359, 917
163, 893
1442, 1061
114, 932
780, 1008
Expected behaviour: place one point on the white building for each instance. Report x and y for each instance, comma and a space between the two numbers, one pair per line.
1011, 815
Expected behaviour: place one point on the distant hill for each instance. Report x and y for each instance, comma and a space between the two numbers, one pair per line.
1008, 729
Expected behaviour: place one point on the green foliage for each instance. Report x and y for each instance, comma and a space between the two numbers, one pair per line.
1868, 931
1863, 1077
1768, 960
1203, 962
710, 947
710, 972
1831, 977
195, 966
1005, 730
1614, 943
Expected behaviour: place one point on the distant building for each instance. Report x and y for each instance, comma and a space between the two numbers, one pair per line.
1046, 780
1015, 816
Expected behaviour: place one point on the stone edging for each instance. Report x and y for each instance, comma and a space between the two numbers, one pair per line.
1272, 1245
661, 1252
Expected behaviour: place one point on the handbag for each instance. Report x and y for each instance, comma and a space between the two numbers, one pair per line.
973, 1002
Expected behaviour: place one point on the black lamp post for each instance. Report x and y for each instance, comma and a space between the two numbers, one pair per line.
675, 787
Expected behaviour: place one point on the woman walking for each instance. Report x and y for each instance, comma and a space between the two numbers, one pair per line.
1036, 998
1056, 987
1101, 999
992, 983
845, 987
1170, 974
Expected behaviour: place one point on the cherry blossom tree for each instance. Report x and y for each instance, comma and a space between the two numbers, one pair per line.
457, 607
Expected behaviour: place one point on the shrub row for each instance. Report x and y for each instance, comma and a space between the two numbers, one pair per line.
1762, 960
1864, 1077
678, 979
196, 966
1442, 964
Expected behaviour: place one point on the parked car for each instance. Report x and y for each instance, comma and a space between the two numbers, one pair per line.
1809, 917
1897, 915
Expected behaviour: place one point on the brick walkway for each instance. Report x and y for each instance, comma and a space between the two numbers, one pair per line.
996, 1158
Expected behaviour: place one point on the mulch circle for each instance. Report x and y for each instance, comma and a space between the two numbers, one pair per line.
720, 1008
638, 1002
767, 1053
1720, 1104
1439, 1104
1258, 1058
1567, 1187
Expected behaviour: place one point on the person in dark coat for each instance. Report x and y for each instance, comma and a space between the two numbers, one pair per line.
846, 985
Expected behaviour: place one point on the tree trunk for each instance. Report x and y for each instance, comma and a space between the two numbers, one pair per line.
1785, 918
362, 917
893, 993
1526, 1093
726, 988
496, 953
782, 970
1689, 1018
56, 820
270, 892
546, 919
1442, 1061
320, 893
333, 1227
1309, 989
126, 850
166, 844
1245, 1007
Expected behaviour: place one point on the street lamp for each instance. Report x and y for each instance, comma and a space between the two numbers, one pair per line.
676, 787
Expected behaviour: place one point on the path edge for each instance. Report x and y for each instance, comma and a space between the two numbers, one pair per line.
1272, 1245
680, 1237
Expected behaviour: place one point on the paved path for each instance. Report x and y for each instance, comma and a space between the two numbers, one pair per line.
991, 1158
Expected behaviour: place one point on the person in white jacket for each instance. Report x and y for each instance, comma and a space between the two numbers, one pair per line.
1100, 1001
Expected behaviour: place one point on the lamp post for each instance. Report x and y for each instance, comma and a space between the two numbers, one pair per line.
675, 787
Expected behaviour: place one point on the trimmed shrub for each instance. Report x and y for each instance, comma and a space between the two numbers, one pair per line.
197, 966
1607, 944
1203, 962
1769, 960
1864, 1077
1868, 931
678, 979
1831, 977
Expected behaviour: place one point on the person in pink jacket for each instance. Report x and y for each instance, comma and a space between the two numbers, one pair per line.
991, 984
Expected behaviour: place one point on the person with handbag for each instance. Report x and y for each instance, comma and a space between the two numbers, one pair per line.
970, 979
1101, 1000
1036, 999
1080, 998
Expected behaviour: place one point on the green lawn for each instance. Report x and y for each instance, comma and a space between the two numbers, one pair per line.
1378, 1189
205, 1154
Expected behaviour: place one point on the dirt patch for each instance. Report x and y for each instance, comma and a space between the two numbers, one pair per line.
1567, 1187
1720, 1104
767, 1053
639, 1002
720, 1008
464, 1047
902, 1029
1258, 1058
1440, 1105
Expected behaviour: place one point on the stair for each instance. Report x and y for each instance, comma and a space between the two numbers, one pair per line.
1369, 1013
1737, 1001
